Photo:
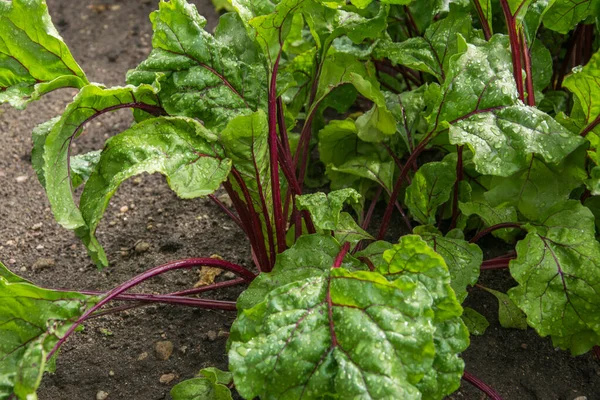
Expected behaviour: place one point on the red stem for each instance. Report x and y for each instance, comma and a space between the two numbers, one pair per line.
515, 47
227, 211
528, 70
493, 228
273, 152
340, 257
188, 263
484, 387
487, 31
591, 126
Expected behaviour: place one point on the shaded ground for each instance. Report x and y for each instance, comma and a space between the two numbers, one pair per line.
116, 354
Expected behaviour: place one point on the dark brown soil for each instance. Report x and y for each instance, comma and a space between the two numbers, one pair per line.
116, 354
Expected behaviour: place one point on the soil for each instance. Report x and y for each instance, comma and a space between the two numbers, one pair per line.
116, 354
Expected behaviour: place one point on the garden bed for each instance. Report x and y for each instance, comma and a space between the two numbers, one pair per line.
146, 225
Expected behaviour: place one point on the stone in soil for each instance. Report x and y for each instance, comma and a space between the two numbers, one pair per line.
101, 395
167, 378
43, 263
164, 349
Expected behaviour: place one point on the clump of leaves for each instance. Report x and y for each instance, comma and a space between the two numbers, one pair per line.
461, 118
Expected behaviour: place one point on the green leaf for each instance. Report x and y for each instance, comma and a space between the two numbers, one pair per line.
32, 320
584, 83
91, 102
431, 270
493, 216
593, 184
295, 264
245, 142
414, 260
349, 231
210, 384
563, 15
430, 188
480, 102
558, 272
341, 69
475, 322
432, 52
213, 78
38, 136
408, 109
462, 258
509, 314
82, 167
179, 148
34, 60
344, 153
539, 186
332, 331
324, 208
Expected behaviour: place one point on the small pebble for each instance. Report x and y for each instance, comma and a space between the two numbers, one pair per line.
101, 395
143, 356
111, 373
163, 350
167, 378
211, 336
142, 247
21, 179
229, 275
524, 346
37, 227
124, 209
39, 247
23, 269
580, 398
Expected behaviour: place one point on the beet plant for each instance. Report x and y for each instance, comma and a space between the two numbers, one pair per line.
445, 120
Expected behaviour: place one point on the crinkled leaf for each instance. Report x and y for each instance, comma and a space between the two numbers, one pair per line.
558, 272
430, 188
493, 216
32, 320
213, 78
177, 147
91, 101
414, 260
430, 269
295, 264
432, 52
563, 15
509, 315
480, 102
332, 331
209, 384
475, 322
462, 258
34, 60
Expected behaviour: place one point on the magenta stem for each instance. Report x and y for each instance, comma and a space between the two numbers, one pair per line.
181, 264
484, 387
493, 228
